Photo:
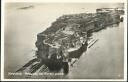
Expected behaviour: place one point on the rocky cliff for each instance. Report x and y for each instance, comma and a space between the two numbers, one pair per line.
71, 31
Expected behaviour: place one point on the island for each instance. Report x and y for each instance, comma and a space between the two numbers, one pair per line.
62, 44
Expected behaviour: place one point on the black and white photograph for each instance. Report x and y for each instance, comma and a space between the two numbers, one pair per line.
64, 40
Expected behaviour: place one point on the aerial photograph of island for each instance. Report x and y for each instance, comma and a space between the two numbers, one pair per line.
64, 40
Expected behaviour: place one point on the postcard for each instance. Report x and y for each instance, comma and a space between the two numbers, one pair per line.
80, 40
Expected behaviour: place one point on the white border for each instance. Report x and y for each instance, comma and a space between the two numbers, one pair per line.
65, 1
2, 40
111, 1
125, 41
